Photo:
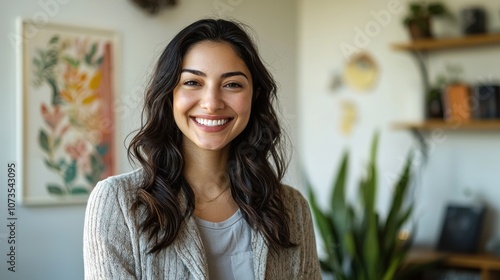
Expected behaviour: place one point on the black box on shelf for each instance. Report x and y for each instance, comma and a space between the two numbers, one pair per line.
462, 227
473, 20
485, 102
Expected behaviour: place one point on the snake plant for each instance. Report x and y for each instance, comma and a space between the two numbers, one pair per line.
359, 243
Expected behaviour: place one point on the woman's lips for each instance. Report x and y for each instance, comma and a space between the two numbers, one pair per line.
212, 124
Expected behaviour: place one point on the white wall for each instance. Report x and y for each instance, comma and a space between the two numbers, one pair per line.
457, 160
49, 239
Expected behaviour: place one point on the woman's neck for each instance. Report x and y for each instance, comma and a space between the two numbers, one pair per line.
206, 171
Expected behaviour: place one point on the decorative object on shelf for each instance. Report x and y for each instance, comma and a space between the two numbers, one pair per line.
154, 6
486, 100
349, 116
457, 96
359, 244
420, 15
361, 71
473, 20
434, 104
434, 108
461, 228
457, 103
66, 111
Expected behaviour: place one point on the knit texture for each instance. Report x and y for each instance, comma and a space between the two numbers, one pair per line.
114, 248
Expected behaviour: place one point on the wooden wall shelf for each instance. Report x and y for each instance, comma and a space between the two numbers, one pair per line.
488, 266
448, 43
491, 125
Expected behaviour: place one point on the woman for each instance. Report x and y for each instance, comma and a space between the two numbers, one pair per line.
208, 201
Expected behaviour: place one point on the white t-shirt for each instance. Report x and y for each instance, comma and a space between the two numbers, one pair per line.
228, 248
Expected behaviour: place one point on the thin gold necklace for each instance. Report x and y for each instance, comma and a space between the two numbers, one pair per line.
213, 199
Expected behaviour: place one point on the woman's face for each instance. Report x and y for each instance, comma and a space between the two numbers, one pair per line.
213, 99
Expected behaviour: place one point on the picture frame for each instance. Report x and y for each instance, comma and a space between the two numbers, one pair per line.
66, 122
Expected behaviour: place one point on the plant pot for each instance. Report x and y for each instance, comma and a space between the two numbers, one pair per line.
434, 104
420, 28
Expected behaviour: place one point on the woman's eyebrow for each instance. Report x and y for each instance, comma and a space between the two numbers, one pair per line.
225, 75
194, 72
235, 73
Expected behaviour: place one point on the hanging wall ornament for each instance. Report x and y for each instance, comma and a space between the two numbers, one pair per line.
361, 72
349, 116
154, 6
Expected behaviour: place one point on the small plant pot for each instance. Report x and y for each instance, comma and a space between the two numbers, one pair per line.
420, 28
434, 104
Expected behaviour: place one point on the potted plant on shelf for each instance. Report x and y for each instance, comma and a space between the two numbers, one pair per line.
434, 108
359, 244
418, 20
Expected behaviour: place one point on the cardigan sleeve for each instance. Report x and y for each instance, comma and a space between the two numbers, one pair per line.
107, 248
310, 261
308, 255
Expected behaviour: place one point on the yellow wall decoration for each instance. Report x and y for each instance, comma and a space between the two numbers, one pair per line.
361, 72
349, 116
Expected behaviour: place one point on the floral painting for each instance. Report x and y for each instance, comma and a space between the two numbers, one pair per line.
67, 111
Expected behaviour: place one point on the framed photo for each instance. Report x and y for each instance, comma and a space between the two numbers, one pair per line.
66, 116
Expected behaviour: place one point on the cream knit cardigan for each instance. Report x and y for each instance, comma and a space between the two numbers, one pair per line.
114, 248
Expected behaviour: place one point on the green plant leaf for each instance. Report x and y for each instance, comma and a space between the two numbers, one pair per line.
79, 190
394, 265
71, 61
371, 247
55, 189
436, 9
322, 220
54, 39
326, 230
102, 149
70, 172
90, 55
392, 224
416, 9
97, 167
57, 142
369, 184
99, 61
51, 165
43, 141
340, 217
337, 200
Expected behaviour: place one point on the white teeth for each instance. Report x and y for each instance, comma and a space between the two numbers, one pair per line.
211, 122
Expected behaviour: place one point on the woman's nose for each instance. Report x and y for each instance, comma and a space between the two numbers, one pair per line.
212, 100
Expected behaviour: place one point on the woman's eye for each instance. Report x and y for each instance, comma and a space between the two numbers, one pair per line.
191, 83
232, 85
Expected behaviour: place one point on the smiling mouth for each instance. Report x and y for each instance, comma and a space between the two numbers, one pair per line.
207, 122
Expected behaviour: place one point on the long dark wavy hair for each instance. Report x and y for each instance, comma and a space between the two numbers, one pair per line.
256, 163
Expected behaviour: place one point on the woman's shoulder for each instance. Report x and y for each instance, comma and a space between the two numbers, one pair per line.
118, 188
293, 197
130, 179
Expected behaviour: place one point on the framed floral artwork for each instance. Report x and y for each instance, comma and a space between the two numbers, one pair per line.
66, 120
